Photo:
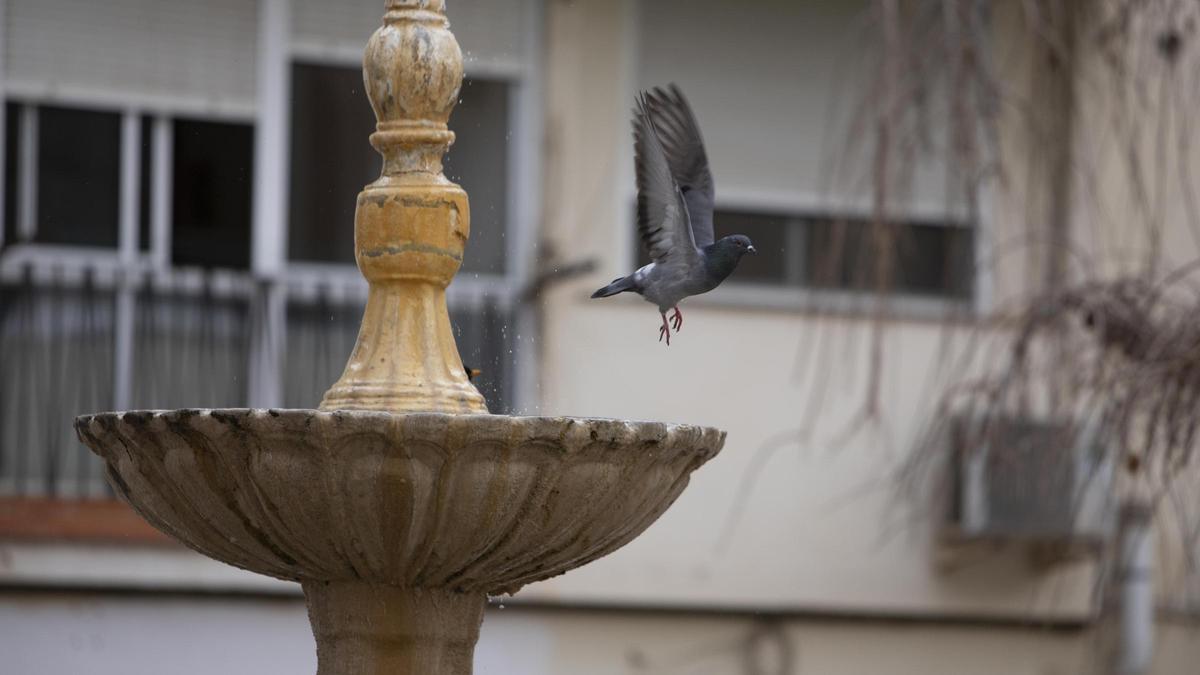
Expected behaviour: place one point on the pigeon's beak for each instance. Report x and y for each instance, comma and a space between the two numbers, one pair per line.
751, 249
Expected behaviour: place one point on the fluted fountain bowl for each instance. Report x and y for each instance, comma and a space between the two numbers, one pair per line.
482, 503
398, 526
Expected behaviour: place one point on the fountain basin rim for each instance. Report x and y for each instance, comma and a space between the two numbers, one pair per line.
564, 430
474, 502
278, 412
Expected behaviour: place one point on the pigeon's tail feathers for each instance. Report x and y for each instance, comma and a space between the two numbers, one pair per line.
619, 285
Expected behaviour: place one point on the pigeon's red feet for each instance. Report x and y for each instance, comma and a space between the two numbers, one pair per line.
677, 319
665, 331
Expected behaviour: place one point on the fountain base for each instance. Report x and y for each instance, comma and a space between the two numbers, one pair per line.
362, 628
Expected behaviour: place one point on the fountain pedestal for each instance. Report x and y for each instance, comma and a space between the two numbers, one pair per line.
398, 506
374, 628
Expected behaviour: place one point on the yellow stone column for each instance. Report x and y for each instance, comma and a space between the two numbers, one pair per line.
410, 226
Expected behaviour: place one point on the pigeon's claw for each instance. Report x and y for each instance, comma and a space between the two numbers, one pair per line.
677, 319
665, 331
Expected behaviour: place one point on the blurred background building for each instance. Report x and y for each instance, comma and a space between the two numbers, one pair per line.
219, 146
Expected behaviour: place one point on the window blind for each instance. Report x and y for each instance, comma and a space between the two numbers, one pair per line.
487, 30
197, 50
776, 99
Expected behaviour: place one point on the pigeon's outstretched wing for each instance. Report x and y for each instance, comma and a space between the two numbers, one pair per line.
662, 215
680, 136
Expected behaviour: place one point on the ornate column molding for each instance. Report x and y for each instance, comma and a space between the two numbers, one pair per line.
411, 225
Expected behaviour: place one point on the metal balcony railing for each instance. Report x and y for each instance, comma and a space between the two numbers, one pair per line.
79, 340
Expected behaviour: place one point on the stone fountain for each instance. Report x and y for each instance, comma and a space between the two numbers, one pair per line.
400, 505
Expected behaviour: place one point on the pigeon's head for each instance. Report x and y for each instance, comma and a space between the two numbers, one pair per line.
737, 245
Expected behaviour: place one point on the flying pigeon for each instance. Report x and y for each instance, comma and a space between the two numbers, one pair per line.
674, 210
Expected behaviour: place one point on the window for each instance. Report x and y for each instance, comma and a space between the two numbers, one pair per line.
211, 204
926, 259
79, 163
63, 182
332, 161
12, 139
146, 183
68, 157
838, 254
478, 161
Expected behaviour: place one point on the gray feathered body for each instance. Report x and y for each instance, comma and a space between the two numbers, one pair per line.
665, 286
675, 208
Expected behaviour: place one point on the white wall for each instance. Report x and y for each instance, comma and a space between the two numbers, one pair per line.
53, 634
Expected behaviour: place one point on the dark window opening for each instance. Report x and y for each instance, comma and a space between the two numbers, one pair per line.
213, 170
478, 161
146, 159
12, 150
922, 259
332, 160
78, 177
831, 253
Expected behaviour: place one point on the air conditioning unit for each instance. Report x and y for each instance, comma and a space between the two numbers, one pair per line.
1017, 480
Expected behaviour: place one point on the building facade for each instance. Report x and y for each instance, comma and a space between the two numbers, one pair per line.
218, 147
